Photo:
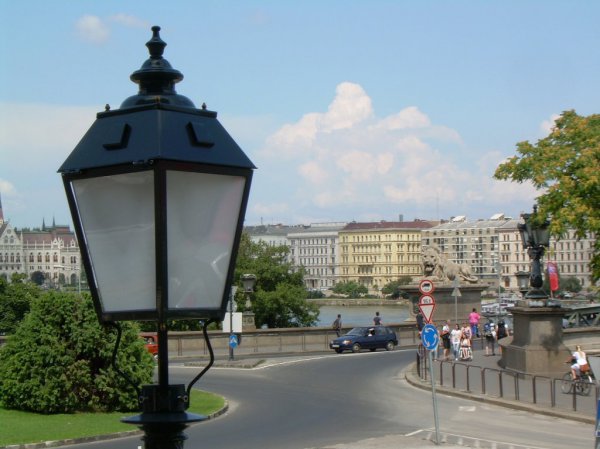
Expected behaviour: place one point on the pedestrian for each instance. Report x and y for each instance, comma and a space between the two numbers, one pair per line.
337, 325
466, 332
474, 318
489, 332
455, 337
446, 339
501, 332
377, 319
420, 322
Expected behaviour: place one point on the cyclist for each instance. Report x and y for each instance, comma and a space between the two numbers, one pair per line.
580, 363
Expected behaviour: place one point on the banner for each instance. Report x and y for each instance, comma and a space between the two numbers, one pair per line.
553, 276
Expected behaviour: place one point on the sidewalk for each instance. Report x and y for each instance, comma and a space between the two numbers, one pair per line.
482, 379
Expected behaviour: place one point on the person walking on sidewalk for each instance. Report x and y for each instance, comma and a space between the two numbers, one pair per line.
337, 325
489, 332
377, 319
501, 332
474, 318
455, 337
446, 339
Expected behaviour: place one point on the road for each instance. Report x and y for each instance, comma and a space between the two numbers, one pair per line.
329, 400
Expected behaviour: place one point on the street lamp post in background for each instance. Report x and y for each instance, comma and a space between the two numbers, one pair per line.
248, 282
232, 337
536, 238
158, 191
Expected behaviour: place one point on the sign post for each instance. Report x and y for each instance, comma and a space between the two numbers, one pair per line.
430, 339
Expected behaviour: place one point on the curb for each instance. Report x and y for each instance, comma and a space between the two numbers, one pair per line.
410, 374
95, 438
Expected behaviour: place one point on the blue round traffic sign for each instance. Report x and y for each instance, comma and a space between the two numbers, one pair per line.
430, 337
233, 341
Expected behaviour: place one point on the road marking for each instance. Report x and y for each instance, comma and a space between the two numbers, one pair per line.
464, 440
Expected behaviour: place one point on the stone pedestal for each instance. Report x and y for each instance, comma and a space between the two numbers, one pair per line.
446, 308
536, 346
248, 323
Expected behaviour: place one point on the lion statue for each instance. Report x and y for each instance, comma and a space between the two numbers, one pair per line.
436, 267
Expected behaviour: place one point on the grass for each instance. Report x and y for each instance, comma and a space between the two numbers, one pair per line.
18, 427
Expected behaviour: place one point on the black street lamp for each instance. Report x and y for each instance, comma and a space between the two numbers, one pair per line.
158, 191
536, 238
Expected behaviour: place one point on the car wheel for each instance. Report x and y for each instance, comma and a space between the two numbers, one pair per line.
338, 350
355, 347
389, 346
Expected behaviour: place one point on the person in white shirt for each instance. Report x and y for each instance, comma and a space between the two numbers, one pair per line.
579, 362
455, 336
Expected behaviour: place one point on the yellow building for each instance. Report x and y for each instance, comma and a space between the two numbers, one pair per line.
374, 254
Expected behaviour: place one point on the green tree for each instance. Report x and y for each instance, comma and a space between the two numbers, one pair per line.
59, 360
565, 166
15, 299
279, 297
352, 289
565, 284
394, 288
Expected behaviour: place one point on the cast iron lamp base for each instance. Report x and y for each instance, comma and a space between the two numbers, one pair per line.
163, 418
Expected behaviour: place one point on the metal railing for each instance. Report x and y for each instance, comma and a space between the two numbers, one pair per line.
541, 391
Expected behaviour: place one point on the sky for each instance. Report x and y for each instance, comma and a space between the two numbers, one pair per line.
351, 110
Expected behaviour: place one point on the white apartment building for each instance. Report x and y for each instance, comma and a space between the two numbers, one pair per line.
316, 248
472, 242
494, 250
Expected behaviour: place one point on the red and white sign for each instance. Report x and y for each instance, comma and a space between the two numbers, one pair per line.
426, 287
427, 307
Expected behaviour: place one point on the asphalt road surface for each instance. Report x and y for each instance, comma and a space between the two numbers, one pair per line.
340, 399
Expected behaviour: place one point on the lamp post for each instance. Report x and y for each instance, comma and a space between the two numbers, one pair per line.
231, 310
157, 191
248, 282
535, 236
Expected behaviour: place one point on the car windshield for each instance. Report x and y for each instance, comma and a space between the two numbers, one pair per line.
359, 331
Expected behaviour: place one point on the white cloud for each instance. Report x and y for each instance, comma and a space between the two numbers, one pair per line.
548, 125
92, 29
6, 187
352, 163
350, 107
407, 118
41, 133
313, 172
129, 21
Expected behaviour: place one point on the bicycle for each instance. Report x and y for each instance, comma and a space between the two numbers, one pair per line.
582, 383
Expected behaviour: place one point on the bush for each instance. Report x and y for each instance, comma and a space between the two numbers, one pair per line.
59, 360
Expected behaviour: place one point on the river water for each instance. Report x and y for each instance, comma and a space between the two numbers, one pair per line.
362, 315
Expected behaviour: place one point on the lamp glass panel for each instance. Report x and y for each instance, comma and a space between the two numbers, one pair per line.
202, 213
543, 235
117, 217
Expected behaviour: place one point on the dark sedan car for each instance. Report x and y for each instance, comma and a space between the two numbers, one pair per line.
365, 338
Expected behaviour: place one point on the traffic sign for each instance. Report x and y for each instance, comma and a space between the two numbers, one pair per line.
430, 337
426, 287
233, 341
427, 307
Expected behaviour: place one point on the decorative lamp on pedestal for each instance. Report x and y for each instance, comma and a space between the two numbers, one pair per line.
248, 282
158, 191
536, 238
536, 346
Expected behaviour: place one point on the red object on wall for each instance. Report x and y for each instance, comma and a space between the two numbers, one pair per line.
553, 276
